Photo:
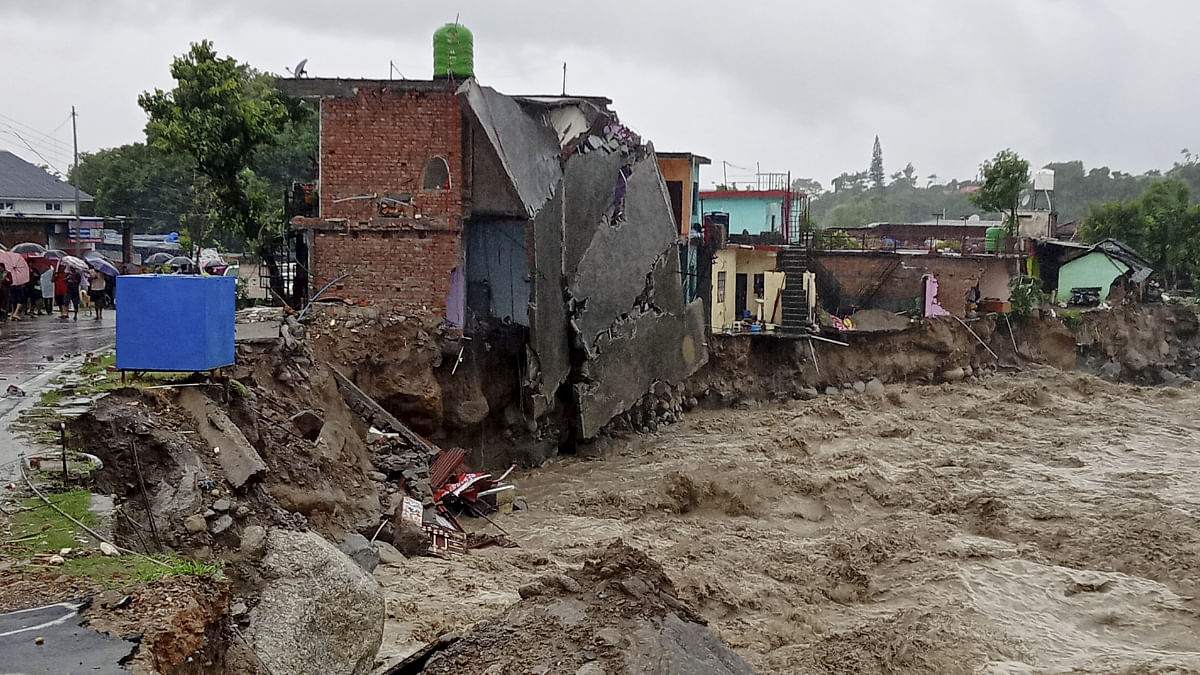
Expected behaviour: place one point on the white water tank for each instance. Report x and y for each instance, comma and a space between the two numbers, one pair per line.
1043, 179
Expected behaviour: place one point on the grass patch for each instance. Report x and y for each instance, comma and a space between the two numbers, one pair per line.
131, 569
41, 528
1072, 318
99, 364
50, 397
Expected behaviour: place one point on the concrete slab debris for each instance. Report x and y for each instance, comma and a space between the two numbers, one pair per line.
239, 461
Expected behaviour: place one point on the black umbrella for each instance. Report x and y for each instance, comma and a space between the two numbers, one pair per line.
55, 254
29, 248
159, 258
180, 261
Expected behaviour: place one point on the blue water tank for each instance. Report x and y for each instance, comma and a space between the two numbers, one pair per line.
175, 322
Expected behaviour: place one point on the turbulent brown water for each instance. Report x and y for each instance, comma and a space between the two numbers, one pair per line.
1039, 522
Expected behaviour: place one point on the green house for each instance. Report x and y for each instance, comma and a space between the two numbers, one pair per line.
1097, 266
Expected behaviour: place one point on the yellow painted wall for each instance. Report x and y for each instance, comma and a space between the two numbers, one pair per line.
734, 261
680, 170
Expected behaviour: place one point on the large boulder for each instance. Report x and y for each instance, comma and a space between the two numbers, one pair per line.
319, 613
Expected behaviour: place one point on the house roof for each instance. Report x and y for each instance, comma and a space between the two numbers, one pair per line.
1113, 248
21, 180
700, 159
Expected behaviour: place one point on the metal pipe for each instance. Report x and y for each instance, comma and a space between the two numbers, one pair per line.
314, 298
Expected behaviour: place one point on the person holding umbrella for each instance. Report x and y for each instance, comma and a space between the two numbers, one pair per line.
6, 282
96, 285
73, 283
60, 290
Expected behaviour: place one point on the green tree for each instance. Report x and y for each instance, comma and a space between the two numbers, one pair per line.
1161, 224
876, 170
1003, 179
138, 181
210, 118
808, 186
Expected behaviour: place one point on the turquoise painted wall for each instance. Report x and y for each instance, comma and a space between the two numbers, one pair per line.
1093, 269
747, 213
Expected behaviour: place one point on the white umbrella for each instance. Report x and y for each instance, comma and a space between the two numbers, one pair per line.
72, 261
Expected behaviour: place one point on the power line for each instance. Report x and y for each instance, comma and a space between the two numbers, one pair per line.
45, 147
34, 151
63, 145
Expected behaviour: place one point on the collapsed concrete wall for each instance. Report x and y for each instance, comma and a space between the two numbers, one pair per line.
607, 317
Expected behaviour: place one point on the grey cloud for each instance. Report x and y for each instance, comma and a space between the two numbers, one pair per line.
794, 85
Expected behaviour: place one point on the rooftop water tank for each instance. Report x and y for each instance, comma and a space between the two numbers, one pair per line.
453, 52
992, 238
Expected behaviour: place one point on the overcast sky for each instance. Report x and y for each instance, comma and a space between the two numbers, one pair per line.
787, 86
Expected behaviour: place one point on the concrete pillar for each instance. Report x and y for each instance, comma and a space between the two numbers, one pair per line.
127, 242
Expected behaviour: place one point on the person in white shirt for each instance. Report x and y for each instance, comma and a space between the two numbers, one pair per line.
47, 284
96, 286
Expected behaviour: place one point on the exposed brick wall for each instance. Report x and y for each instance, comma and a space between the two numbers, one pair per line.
852, 275
11, 235
407, 269
379, 143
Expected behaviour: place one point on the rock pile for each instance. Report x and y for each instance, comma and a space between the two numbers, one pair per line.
618, 614
665, 404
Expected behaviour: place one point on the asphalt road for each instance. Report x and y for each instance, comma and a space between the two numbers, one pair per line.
25, 345
66, 646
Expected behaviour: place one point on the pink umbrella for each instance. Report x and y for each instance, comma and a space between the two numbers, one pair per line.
72, 261
17, 266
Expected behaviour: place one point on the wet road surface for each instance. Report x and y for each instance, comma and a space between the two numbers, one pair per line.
28, 347
34, 352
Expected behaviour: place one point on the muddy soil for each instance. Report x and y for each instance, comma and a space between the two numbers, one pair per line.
1045, 521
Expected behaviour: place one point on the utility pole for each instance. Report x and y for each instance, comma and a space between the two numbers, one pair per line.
75, 181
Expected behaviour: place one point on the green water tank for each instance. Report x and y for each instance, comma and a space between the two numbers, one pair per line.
992, 238
453, 52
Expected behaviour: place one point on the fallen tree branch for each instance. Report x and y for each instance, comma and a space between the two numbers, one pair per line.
976, 336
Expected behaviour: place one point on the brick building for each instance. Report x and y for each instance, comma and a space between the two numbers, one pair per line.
541, 212
390, 193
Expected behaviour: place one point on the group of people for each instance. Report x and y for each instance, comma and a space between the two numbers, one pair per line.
60, 287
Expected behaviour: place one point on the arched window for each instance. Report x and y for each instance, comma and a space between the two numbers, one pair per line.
437, 175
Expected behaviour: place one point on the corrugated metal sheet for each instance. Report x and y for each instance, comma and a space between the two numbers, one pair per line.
446, 464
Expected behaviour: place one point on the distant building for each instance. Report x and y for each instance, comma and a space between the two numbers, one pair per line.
34, 205
26, 189
681, 171
757, 212
1063, 266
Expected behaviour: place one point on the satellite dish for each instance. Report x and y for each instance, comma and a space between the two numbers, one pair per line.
299, 70
1025, 199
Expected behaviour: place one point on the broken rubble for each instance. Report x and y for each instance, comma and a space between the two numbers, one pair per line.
360, 551
308, 423
221, 524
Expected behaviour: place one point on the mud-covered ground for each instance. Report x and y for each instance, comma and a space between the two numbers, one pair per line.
1040, 522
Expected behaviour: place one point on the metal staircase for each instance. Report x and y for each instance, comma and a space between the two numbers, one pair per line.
794, 261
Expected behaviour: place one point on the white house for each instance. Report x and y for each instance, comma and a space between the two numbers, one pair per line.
28, 190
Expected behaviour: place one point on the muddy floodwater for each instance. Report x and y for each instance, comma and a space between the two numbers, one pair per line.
1040, 522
